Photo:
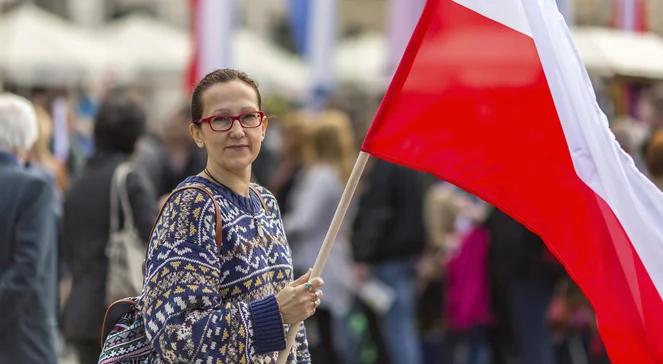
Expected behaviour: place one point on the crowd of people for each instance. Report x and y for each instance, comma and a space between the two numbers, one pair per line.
421, 271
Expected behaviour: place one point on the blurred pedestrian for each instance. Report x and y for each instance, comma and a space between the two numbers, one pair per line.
41, 156
119, 123
227, 303
169, 156
293, 128
28, 247
315, 196
524, 275
183, 158
388, 238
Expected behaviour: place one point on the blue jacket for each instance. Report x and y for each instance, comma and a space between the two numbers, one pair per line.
28, 266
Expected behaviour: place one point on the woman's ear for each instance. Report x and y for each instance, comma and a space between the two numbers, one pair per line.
197, 135
263, 127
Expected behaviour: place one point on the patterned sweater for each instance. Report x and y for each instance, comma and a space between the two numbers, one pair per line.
204, 304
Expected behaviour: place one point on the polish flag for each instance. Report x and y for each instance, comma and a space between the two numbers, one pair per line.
492, 96
212, 26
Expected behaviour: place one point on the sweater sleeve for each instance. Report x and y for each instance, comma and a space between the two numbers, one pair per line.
185, 318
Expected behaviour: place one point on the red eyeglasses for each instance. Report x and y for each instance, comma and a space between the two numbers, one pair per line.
220, 123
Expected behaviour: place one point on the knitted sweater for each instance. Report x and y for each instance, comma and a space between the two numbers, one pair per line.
204, 304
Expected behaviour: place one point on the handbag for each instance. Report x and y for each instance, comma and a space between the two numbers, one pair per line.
125, 248
123, 338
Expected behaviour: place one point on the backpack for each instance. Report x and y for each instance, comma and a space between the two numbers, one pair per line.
123, 338
125, 246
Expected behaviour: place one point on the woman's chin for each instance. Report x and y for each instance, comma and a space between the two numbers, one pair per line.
238, 166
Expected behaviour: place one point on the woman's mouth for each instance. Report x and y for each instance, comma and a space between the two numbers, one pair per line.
237, 147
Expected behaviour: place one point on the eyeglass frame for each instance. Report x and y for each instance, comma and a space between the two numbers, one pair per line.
233, 118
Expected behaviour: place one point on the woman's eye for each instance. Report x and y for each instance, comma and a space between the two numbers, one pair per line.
222, 120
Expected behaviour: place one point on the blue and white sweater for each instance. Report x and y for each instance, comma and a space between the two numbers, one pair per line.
204, 304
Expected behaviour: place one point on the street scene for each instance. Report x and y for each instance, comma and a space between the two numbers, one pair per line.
331, 181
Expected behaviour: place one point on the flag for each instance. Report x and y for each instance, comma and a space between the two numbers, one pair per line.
403, 16
314, 31
320, 46
630, 15
298, 16
493, 97
212, 26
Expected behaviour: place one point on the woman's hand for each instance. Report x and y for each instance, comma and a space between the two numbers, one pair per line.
298, 300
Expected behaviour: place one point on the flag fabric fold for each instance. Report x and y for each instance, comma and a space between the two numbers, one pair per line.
494, 98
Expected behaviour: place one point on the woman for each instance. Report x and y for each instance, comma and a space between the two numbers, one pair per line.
292, 127
315, 195
230, 303
119, 124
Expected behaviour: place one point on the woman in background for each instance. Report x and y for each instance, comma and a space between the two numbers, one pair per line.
327, 165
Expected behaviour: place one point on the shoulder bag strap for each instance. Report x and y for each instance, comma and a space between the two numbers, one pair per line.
262, 200
123, 171
118, 308
114, 210
218, 219
218, 226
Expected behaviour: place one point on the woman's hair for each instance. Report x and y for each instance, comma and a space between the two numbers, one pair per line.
119, 123
332, 141
294, 127
214, 77
18, 123
41, 148
654, 155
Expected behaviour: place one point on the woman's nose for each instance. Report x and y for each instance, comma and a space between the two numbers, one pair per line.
236, 130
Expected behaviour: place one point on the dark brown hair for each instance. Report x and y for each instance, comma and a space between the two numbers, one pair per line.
119, 123
214, 77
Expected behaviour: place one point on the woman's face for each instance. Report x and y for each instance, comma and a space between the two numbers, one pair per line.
236, 149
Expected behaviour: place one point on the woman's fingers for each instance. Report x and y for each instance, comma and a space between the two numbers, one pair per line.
302, 279
313, 284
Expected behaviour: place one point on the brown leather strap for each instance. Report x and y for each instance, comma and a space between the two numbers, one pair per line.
121, 307
218, 227
262, 200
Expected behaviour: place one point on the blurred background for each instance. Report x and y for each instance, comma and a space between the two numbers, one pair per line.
328, 62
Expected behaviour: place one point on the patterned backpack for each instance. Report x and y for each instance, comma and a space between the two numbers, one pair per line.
123, 338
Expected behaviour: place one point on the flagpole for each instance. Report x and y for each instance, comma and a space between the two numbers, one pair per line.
328, 243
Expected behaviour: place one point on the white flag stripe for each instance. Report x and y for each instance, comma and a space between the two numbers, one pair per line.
507, 12
216, 19
403, 17
321, 42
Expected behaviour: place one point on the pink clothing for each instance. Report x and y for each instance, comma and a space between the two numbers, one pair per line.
467, 290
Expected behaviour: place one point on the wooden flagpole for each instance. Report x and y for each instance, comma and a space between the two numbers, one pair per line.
328, 243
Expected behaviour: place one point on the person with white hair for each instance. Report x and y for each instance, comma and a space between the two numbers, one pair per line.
28, 248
